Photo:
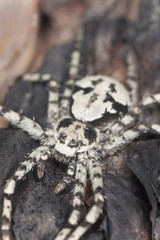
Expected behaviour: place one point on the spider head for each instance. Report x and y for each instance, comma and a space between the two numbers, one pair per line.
72, 136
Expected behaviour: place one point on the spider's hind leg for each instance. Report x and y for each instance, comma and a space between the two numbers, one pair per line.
53, 103
36, 77
73, 74
132, 75
53, 95
153, 99
126, 137
129, 120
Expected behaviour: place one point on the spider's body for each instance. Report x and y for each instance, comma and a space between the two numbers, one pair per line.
98, 123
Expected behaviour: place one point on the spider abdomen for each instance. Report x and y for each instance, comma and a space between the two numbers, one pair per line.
99, 97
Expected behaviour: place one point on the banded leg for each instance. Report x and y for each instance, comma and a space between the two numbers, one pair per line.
73, 73
129, 119
24, 123
132, 75
68, 178
80, 181
53, 95
116, 143
92, 216
25, 167
37, 77
150, 100
53, 103
119, 126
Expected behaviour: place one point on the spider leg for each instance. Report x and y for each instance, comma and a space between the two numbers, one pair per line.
80, 181
53, 103
92, 216
37, 77
120, 125
116, 143
73, 73
41, 152
40, 169
132, 75
22, 122
129, 119
53, 95
68, 178
150, 100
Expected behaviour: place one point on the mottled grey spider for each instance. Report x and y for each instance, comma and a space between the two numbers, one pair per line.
80, 136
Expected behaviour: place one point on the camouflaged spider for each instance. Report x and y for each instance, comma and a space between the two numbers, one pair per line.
78, 136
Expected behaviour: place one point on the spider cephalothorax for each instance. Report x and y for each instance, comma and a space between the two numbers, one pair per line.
72, 137
76, 137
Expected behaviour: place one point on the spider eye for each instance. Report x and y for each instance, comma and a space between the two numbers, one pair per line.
62, 137
73, 143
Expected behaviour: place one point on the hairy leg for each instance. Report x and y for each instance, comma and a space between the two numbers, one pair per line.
73, 73
68, 178
92, 216
53, 103
37, 77
41, 153
22, 122
129, 120
125, 138
53, 95
80, 181
132, 75
150, 100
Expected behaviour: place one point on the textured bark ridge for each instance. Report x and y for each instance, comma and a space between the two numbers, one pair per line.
133, 193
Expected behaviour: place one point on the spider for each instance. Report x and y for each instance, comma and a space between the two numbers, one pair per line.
100, 121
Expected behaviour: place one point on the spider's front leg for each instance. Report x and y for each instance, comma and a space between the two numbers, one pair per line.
95, 174
74, 230
80, 182
68, 178
41, 153
22, 122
